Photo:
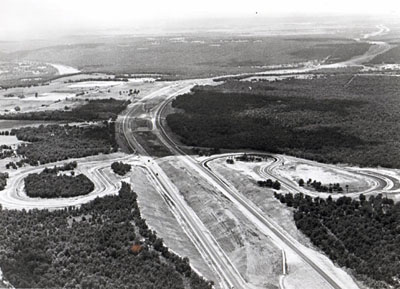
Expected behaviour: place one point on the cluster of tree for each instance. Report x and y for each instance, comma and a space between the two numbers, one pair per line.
6, 151
15, 165
90, 247
53, 143
4, 132
6, 154
3, 180
133, 91
270, 184
249, 158
93, 110
120, 168
359, 234
50, 184
323, 119
319, 187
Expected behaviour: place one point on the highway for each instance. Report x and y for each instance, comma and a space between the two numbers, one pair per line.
282, 239
193, 226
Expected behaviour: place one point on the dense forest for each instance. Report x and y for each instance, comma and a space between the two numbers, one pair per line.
103, 244
53, 143
363, 234
120, 168
92, 110
50, 184
337, 118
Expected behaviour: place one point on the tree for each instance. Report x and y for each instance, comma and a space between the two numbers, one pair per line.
276, 185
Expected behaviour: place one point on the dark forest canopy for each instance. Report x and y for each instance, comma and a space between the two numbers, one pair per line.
328, 119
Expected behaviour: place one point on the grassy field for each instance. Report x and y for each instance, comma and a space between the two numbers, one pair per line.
327, 119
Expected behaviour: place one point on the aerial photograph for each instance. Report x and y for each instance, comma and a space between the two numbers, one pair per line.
200, 144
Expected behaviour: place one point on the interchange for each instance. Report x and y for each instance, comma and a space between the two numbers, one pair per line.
195, 229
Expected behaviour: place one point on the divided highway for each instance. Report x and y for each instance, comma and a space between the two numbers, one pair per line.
195, 229
244, 205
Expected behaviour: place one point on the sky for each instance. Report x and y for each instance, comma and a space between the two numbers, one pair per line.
35, 18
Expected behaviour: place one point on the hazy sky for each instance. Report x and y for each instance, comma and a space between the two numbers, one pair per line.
34, 18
